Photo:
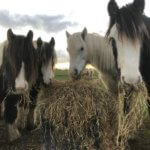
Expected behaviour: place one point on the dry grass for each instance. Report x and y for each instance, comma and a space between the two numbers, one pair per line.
86, 115
133, 120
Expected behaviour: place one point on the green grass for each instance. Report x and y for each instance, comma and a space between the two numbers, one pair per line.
61, 74
64, 74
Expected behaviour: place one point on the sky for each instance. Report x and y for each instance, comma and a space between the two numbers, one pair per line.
49, 18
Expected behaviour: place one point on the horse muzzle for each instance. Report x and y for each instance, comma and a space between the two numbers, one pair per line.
75, 74
21, 88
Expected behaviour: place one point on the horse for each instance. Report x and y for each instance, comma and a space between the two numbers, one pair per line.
129, 21
18, 72
92, 48
46, 61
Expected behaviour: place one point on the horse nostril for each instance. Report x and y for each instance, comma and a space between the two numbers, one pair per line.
75, 72
26, 86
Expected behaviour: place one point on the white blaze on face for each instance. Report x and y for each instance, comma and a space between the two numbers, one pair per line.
21, 85
47, 72
128, 57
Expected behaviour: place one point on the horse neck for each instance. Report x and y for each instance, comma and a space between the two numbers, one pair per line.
100, 53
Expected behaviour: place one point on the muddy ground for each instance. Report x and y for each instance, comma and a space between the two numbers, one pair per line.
29, 140
32, 140
142, 140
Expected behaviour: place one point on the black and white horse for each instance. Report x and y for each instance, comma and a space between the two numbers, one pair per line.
130, 29
18, 73
126, 32
46, 61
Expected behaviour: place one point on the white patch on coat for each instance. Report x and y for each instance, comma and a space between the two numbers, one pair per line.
47, 72
21, 85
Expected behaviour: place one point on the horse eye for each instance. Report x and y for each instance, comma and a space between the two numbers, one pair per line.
81, 49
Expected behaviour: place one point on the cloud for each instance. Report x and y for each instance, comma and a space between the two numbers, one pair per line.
47, 23
62, 56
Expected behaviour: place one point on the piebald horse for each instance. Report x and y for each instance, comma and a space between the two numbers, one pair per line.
18, 73
130, 26
46, 61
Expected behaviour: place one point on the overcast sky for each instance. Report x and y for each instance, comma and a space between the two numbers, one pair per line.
49, 18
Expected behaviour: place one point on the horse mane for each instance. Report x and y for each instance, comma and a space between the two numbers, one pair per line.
46, 52
99, 51
102, 57
129, 23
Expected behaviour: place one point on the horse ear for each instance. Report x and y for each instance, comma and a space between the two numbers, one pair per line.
68, 34
39, 42
112, 8
52, 41
30, 35
84, 33
10, 35
139, 5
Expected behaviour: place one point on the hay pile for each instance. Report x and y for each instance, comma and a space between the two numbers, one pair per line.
88, 74
84, 115
129, 122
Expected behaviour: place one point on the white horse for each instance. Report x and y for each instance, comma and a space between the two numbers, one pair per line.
86, 48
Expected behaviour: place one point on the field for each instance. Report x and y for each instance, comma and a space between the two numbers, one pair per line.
61, 74
32, 140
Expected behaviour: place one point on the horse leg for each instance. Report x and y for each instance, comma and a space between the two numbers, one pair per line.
30, 117
21, 119
33, 94
2, 110
10, 115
